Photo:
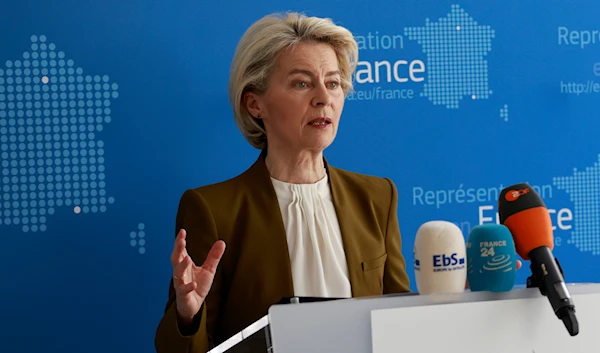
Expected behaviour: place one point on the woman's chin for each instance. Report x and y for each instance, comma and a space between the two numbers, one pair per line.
319, 144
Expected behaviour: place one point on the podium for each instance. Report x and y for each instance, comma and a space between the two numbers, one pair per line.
519, 321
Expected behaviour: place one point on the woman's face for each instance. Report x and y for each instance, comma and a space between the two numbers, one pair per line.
302, 106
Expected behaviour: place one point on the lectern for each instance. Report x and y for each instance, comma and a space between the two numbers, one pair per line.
519, 321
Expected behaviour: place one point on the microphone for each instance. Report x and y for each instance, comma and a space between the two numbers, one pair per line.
491, 259
523, 211
439, 253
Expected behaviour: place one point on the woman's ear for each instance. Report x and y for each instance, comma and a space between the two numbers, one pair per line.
252, 101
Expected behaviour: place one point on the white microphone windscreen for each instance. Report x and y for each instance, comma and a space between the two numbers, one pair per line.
440, 258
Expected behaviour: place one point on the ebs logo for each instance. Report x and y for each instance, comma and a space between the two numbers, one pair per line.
443, 263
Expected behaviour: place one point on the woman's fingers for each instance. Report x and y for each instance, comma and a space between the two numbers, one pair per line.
214, 256
179, 251
185, 289
182, 272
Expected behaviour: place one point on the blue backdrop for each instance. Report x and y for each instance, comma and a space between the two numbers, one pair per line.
109, 110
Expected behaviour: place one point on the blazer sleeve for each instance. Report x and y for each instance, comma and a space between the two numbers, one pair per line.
195, 217
395, 279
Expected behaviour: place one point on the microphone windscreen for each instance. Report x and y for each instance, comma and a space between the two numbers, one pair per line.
440, 256
523, 211
491, 259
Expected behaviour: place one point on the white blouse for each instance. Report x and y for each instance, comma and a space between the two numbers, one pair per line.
314, 239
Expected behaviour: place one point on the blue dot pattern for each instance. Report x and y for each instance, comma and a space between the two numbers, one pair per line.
138, 238
50, 114
584, 191
504, 112
455, 47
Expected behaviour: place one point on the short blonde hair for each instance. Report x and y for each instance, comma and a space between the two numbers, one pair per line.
257, 51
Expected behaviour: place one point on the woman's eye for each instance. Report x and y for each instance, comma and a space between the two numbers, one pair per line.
333, 84
301, 84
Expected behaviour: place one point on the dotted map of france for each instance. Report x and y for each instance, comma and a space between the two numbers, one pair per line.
51, 114
456, 47
583, 188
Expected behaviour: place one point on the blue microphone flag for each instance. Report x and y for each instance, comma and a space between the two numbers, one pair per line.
491, 259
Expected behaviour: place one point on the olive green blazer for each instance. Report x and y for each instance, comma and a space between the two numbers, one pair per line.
255, 270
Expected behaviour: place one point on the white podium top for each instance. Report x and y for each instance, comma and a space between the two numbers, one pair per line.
518, 321
521, 320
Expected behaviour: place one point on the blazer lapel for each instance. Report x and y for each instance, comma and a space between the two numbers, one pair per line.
271, 233
350, 225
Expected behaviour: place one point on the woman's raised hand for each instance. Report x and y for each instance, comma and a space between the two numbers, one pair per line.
192, 283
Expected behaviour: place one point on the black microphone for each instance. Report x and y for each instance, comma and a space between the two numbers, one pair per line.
523, 212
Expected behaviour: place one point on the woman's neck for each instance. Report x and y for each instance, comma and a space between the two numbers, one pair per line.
304, 167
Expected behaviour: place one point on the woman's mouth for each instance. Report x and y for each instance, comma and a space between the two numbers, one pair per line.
320, 122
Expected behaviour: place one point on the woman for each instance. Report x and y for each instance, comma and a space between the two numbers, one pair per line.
293, 224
